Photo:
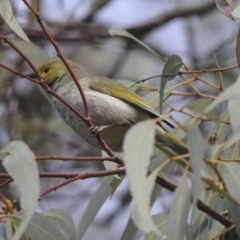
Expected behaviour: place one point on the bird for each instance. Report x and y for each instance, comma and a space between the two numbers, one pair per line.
113, 107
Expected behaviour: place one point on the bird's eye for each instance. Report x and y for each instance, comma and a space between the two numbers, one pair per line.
46, 70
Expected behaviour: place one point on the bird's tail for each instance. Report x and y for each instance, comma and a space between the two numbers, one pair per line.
166, 139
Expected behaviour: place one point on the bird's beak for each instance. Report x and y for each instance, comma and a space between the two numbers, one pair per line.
31, 75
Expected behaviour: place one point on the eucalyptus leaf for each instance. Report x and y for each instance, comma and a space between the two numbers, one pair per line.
199, 105
179, 211
31, 50
171, 67
138, 146
7, 15
108, 164
231, 93
9, 229
196, 150
233, 209
199, 229
234, 153
236, 12
161, 221
20, 163
94, 205
232, 179
129, 231
63, 220
215, 230
39, 227
118, 31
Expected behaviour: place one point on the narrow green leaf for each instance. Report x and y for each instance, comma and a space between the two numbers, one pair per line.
233, 107
232, 179
179, 211
7, 15
219, 132
238, 41
94, 205
235, 214
116, 183
109, 165
31, 50
129, 231
153, 99
218, 189
196, 150
199, 230
236, 12
216, 139
161, 221
9, 229
138, 146
230, 93
215, 230
39, 227
234, 153
118, 31
199, 105
171, 67
63, 220
20, 163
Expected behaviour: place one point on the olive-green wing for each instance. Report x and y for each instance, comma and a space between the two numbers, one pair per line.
115, 89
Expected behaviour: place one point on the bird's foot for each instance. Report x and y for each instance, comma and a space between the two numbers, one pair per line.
95, 130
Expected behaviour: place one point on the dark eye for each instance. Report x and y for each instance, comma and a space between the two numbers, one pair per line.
46, 70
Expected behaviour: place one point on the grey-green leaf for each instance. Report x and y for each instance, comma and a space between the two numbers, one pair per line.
196, 150
232, 179
63, 220
231, 92
179, 211
20, 163
94, 205
7, 14
199, 105
234, 213
9, 229
118, 31
138, 146
171, 67
40, 227
161, 221
31, 50
238, 43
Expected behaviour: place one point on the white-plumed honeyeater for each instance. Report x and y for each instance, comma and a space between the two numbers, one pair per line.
112, 106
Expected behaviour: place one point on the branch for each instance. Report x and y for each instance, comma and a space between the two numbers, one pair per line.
200, 205
84, 176
164, 18
81, 159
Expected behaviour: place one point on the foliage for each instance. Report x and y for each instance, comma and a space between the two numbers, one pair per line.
208, 208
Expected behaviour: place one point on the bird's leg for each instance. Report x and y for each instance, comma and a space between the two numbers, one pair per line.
97, 129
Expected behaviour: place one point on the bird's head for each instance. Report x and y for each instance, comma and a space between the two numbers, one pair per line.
53, 70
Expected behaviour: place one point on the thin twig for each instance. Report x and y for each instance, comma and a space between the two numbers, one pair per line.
84, 176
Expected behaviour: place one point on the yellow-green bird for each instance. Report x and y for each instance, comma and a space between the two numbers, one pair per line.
113, 107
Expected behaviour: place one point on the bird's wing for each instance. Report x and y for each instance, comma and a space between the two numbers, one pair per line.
113, 88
